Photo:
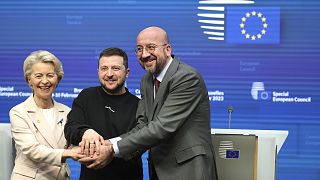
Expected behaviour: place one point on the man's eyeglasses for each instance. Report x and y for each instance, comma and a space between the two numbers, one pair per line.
150, 48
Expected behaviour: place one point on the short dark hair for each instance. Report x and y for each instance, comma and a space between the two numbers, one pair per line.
113, 51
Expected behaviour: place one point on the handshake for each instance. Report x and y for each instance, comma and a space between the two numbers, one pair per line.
93, 151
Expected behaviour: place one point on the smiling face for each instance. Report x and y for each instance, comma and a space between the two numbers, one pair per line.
43, 80
153, 61
112, 74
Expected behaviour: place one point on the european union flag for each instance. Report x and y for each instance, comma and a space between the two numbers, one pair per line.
264, 95
232, 154
253, 25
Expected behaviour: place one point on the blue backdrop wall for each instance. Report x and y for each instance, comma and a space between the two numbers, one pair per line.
260, 56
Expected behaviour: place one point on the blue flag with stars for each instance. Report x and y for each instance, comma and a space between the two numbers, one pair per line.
253, 25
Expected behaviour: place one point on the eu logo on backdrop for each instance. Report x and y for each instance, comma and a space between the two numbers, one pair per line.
264, 95
253, 25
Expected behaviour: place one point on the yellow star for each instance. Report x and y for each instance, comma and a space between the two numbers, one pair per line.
253, 37
247, 36
243, 19
253, 13
259, 14
263, 19
242, 25
263, 31
265, 25
243, 31
259, 36
247, 14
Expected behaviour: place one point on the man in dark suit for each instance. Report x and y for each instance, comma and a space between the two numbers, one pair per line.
173, 115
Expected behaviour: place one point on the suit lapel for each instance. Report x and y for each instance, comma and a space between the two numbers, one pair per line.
149, 94
60, 121
162, 88
40, 123
149, 88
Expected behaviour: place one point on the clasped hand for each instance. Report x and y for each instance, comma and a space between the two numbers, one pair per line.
98, 152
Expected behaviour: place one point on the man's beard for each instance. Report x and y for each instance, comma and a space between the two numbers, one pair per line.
155, 71
117, 90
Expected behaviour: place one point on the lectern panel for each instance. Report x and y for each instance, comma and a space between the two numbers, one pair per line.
236, 156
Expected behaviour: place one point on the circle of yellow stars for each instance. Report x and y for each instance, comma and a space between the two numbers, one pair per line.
264, 25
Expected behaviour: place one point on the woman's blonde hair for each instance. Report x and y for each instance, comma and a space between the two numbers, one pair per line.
44, 57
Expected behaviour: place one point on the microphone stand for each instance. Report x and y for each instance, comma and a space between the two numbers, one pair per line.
230, 110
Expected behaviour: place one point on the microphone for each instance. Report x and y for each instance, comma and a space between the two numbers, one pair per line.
230, 110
